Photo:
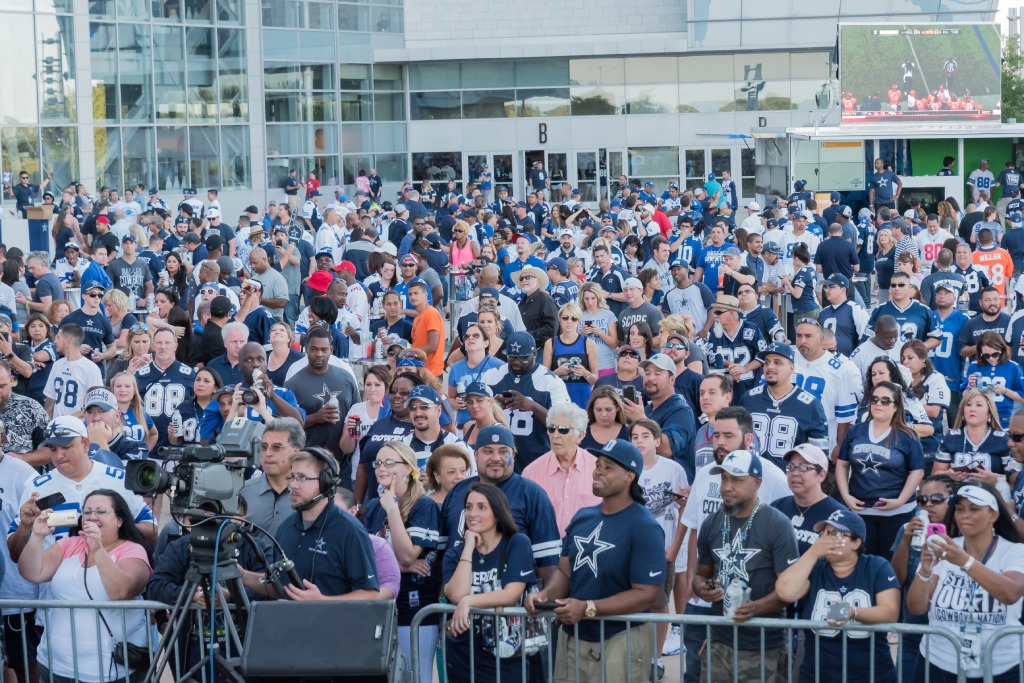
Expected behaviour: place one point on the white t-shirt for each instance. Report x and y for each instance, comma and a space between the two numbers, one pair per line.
15, 475
953, 593
69, 382
658, 483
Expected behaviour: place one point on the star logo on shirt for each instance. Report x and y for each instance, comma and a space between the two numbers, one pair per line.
319, 546
733, 558
326, 395
868, 463
588, 548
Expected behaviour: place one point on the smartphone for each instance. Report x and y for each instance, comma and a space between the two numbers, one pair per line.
934, 529
839, 611
676, 496
51, 501
965, 468
546, 606
629, 393
878, 504
506, 394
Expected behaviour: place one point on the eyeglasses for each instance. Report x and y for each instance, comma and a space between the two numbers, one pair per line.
569, 318
561, 429
898, 285
836, 533
675, 345
934, 499
99, 512
299, 479
387, 464
991, 356
803, 469
1015, 437
882, 400
93, 295
139, 327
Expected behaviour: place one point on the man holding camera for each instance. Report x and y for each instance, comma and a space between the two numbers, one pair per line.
281, 402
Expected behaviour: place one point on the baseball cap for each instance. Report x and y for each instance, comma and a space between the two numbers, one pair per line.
129, 238
648, 208
559, 264
213, 212
754, 206
983, 161
731, 251
1015, 218
616, 202
900, 223
478, 389
220, 306
346, 265
520, 345
910, 215
845, 211
214, 242
424, 393
225, 264
810, 453
564, 233
626, 349
632, 282
679, 263
623, 453
844, 520
103, 219
835, 196
314, 193
837, 279
320, 280
251, 209
72, 245
489, 291
518, 236
949, 284
504, 223
93, 284
153, 191
778, 349
433, 239
773, 247
495, 435
649, 183
409, 258
101, 398
976, 495
739, 464
61, 431
660, 361
326, 251
400, 208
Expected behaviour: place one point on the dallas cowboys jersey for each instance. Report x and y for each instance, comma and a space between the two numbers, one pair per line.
164, 393
1015, 337
765, 320
541, 386
423, 449
946, 356
741, 349
689, 250
847, 321
976, 279
798, 417
993, 453
916, 321
835, 383
879, 467
1007, 374
69, 382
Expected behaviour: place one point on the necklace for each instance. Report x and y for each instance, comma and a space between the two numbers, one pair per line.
798, 519
744, 530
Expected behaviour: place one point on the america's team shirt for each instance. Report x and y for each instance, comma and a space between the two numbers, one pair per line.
164, 393
834, 382
798, 417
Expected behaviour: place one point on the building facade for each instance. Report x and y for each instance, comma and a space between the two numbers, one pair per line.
233, 94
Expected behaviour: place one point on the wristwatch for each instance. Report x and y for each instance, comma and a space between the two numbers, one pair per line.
591, 610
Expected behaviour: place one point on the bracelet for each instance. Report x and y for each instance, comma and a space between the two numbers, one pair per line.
922, 576
1014, 518
853, 613
465, 560
966, 566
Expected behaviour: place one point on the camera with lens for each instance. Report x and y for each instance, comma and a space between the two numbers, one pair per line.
201, 480
478, 265
251, 396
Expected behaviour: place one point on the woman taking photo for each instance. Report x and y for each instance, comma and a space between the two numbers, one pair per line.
929, 389
281, 356
362, 415
469, 369
885, 263
600, 325
410, 521
138, 426
483, 411
970, 582
881, 489
44, 353
447, 466
976, 449
571, 356
107, 560
136, 354
837, 565
605, 419
993, 371
492, 566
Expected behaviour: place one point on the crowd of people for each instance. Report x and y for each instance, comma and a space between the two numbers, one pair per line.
663, 404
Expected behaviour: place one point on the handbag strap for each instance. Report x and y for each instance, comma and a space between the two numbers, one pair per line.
85, 580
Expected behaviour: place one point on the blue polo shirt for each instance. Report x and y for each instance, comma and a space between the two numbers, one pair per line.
334, 553
229, 374
515, 265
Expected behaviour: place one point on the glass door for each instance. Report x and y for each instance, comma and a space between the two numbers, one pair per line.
499, 166
587, 175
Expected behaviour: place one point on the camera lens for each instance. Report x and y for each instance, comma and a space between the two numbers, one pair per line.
250, 397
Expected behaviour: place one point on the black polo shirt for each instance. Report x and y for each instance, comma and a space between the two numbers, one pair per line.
334, 552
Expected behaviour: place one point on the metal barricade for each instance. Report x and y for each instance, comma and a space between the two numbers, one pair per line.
990, 648
641, 635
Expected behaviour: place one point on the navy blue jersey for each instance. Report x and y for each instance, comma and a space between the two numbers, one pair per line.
565, 292
916, 321
608, 555
259, 321
423, 527
946, 356
843, 321
993, 453
779, 425
741, 349
805, 278
977, 326
804, 518
866, 246
539, 385
879, 469
1007, 374
765, 320
1010, 180
976, 279
531, 511
857, 650
800, 198
98, 333
165, 393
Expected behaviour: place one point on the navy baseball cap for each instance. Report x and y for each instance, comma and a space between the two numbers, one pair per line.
739, 464
559, 264
679, 263
424, 393
731, 251
479, 389
489, 291
93, 284
623, 453
773, 247
129, 238
950, 285
778, 349
520, 345
845, 211
844, 520
838, 280
495, 435
835, 196
314, 193
1015, 218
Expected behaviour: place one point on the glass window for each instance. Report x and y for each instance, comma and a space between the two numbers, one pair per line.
707, 97
387, 19
172, 169
700, 68
167, 10
232, 79
236, 171
204, 156
542, 72
488, 74
102, 9
353, 18
200, 93
649, 162
443, 76
392, 167
598, 101
297, 107
695, 167
132, 9
284, 140
389, 107
813, 94
139, 155
281, 77
542, 102
436, 166
652, 99
652, 69
747, 171
60, 152
721, 160
325, 137
356, 107
230, 12
356, 137
316, 46
354, 76
103, 49
56, 62
318, 76
597, 71
488, 104
18, 89
810, 64
388, 77
354, 47
134, 59
19, 151
353, 164
297, 14
280, 45
389, 137
169, 74
108, 156
325, 167
428, 106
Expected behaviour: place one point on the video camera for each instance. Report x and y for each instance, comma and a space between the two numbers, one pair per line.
204, 480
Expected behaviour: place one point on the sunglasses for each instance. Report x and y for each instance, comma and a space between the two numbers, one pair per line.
408, 265
528, 277
139, 327
629, 354
991, 356
567, 318
93, 295
675, 345
1015, 437
898, 285
561, 429
934, 499
882, 400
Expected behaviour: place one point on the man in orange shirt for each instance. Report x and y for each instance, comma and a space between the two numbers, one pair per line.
995, 261
427, 328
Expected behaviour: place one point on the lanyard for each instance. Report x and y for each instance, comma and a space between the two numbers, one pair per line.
973, 585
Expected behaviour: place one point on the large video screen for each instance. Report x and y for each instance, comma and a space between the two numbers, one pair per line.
939, 72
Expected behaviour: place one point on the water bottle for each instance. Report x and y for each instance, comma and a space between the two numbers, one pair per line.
917, 542
378, 349
176, 422
430, 558
333, 401
736, 594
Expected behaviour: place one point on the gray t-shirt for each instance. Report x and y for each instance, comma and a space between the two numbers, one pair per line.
274, 287
758, 558
646, 312
313, 392
130, 278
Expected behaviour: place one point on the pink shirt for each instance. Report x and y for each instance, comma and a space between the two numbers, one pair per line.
569, 491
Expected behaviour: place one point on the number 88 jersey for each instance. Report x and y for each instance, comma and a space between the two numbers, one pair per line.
164, 392
780, 425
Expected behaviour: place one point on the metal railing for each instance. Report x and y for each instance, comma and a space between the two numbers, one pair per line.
990, 647
541, 668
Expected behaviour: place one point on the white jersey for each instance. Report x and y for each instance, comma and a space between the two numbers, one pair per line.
789, 240
834, 382
328, 238
63, 270
15, 476
68, 384
658, 483
867, 352
752, 224
981, 180
928, 245
198, 208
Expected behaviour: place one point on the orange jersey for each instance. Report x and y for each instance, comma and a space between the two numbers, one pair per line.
997, 264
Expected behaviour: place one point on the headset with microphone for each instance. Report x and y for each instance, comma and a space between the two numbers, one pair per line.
328, 478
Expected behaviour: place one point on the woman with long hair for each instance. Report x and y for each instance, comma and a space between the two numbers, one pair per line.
929, 389
362, 415
107, 560
491, 548
606, 420
65, 229
410, 520
462, 373
577, 268
44, 354
490, 320
885, 262
641, 337
206, 386
13, 270
571, 356
970, 582
881, 489
948, 219
178, 279
908, 264
600, 325
137, 352
281, 356
992, 371
121, 318
164, 302
56, 312
977, 447
138, 426
483, 411
883, 369
446, 467
383, 276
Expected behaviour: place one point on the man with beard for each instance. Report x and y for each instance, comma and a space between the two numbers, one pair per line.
832, 380
734, 431
22, 417
745, 543
992, 318
424, 406
539, 310
883, 343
